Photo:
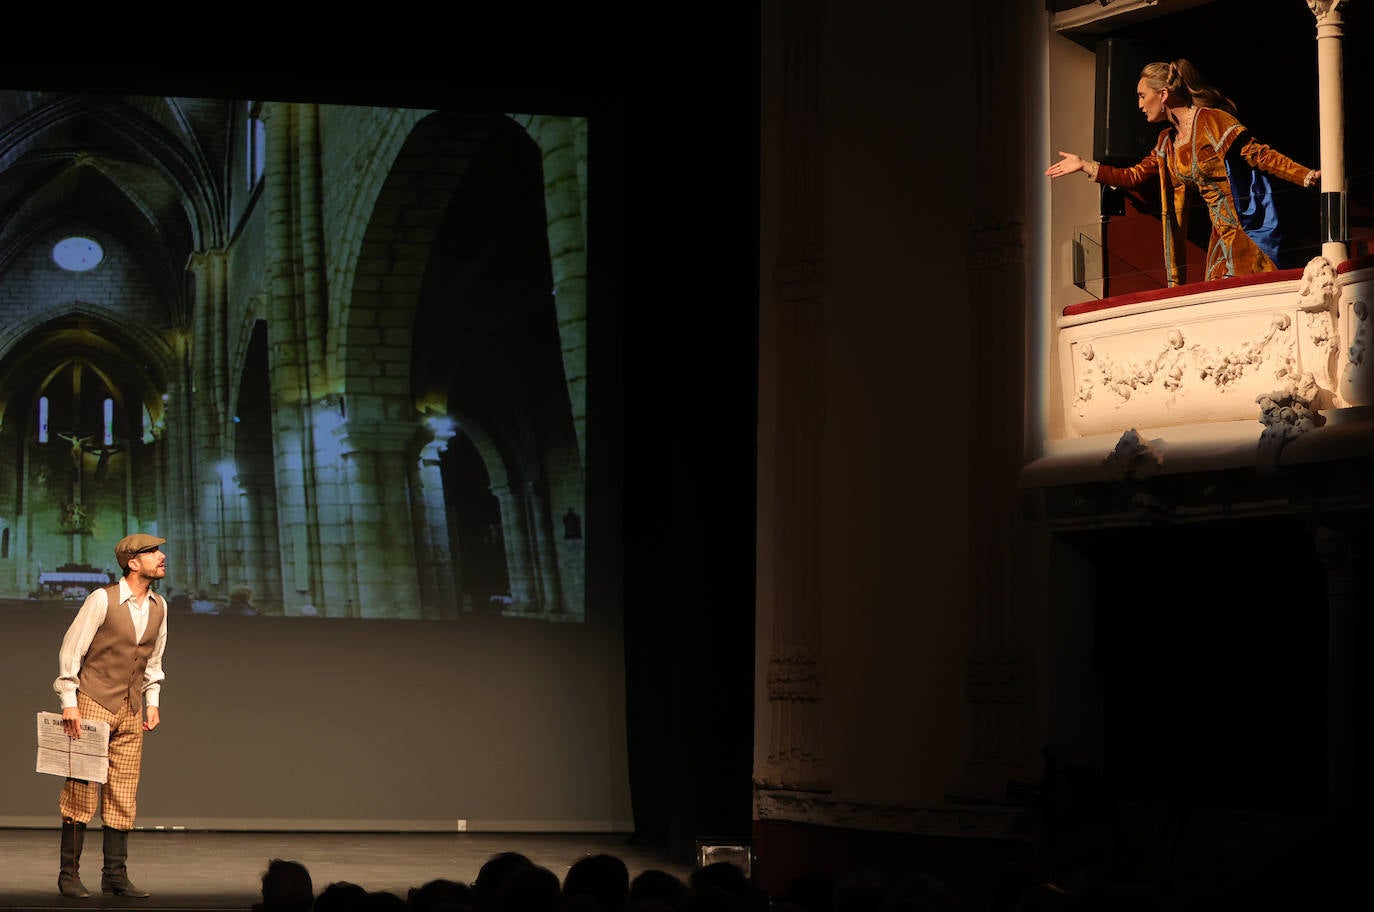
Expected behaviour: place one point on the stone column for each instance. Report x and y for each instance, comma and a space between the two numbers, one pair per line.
209, 418
382, 557
1331, 91
545, 548
565, 211
181, 521
516, 538
439, 586
293, 298
313, 303
333, 503
792, 315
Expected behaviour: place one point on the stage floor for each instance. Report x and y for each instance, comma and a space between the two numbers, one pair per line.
213, 870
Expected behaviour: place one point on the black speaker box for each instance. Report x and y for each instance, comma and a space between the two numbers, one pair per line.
1121, 135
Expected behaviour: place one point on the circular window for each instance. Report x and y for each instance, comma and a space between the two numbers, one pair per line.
77, 254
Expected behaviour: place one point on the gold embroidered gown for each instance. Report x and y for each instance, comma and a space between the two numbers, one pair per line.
1198, 167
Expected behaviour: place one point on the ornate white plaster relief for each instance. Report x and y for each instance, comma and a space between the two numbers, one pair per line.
794, 751
1319, 338
1324, 8
992, 821
1132, 458
1199, 369
794, 674
1208, 358
995, 679
1358, 371
1288, 411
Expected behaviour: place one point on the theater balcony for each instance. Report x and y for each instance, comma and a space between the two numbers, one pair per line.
1252, 371
1221, 385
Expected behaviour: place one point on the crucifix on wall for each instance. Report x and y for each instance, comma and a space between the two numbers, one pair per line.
81, 400
76, 520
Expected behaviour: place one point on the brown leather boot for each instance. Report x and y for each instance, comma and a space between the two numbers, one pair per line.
68, 876
114, 877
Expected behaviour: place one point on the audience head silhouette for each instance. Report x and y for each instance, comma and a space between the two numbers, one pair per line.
724, 876
658, 887
602, 877
495, 873
286, 887
442, 895
342, 896
530, 889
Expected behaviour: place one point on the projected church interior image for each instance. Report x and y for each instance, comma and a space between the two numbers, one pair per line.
281, 334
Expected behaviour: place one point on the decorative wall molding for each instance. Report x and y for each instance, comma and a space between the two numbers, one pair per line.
1357, 379
1288, 411
794, 692
1319, 332
966, 821
1109, 376
995, 679
1324, 9
797, 274
792, 320
794, 674
1132, 458
998, 244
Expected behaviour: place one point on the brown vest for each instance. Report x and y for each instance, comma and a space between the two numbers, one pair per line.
114, 665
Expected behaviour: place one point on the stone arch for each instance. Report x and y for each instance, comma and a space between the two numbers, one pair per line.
149, 358
390, 137
487, 543
76, 486
452, 313
395, 249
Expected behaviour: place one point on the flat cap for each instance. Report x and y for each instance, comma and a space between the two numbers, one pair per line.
130, 545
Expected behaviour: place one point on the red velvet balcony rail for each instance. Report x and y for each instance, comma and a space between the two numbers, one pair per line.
1163, 294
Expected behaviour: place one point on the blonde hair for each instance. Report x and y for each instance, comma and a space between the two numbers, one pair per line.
1181, 78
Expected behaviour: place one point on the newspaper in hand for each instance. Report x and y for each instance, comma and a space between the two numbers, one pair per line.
87, 757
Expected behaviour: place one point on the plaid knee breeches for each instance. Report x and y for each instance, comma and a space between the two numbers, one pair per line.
119, 794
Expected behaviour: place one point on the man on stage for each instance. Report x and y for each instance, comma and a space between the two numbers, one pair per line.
110, 669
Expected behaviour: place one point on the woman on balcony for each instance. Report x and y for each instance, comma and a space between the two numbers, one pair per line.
1203, 149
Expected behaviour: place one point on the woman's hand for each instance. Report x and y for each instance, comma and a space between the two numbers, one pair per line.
1068, 164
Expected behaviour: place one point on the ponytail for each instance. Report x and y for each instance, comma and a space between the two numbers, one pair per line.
1182, 79
1208, 96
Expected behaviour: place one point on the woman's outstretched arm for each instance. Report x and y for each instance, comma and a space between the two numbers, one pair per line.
1069, 163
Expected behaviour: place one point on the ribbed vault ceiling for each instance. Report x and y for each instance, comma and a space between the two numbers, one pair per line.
149, 170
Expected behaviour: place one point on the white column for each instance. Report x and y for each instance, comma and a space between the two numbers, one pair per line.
790, 624
1331, 93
